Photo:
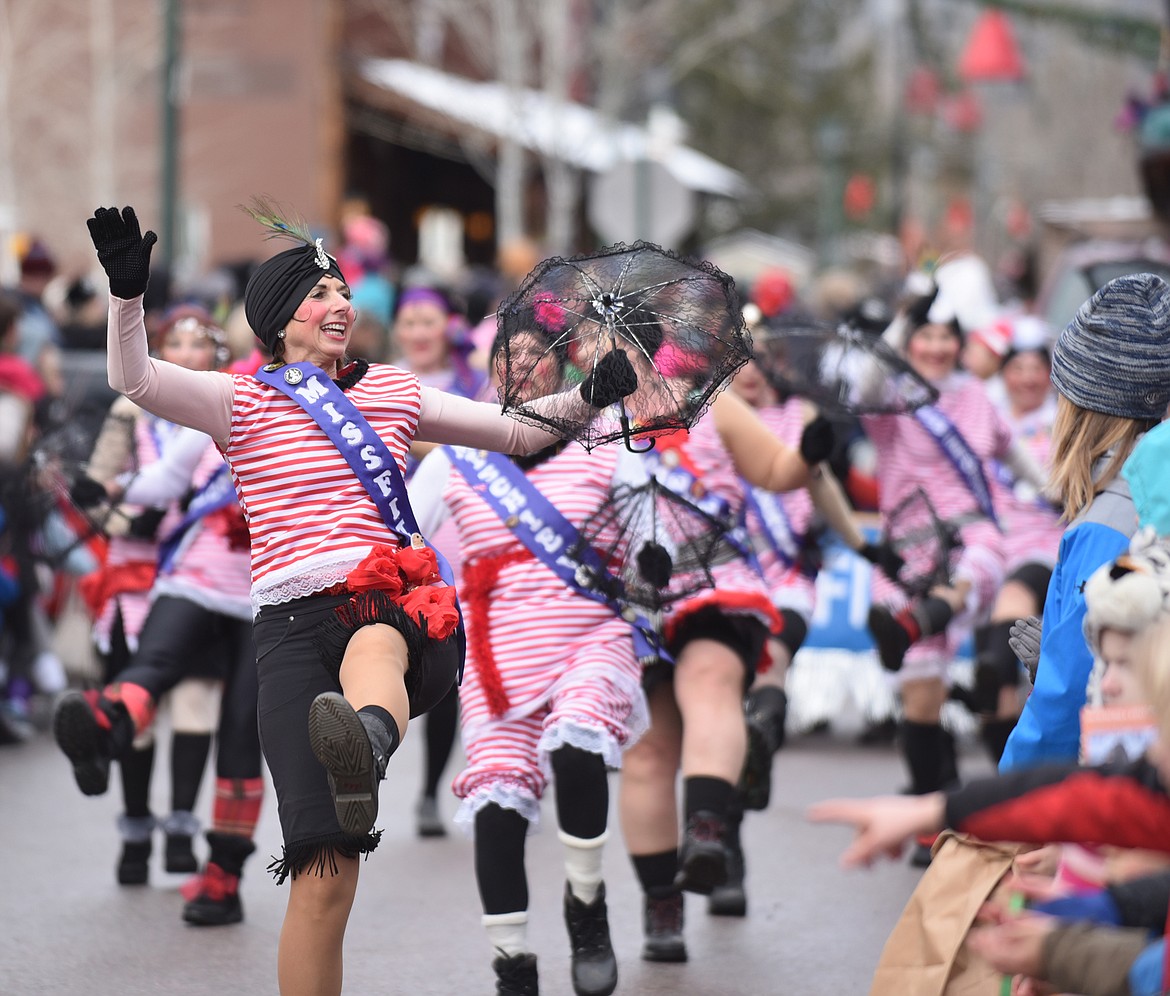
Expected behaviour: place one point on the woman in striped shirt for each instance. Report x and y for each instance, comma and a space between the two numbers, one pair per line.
351, 629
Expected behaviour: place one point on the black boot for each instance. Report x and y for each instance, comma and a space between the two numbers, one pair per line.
354, 749
766, 711
516, 975
702, 858
134, 860
730, 899
180, 829
662, 924
894, 634
929, 752
91, 730
594, 964
215, 899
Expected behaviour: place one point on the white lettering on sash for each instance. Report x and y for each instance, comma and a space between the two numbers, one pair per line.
332, 412
370, 457
313, 391
351, 434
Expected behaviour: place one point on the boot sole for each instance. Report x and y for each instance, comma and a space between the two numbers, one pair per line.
891, 640
703, 870
667, 954
201, 918
727, 902
81, 740
340, 743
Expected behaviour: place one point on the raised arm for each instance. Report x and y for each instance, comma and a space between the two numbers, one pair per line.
449, 419
200, 399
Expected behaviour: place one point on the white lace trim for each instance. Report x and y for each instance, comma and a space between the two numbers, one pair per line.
593, 739
506, 795
305, 578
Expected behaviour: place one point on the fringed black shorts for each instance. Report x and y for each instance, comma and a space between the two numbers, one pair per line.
292, 673
743, 634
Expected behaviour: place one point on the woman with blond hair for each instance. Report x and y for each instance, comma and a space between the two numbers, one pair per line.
1111, 369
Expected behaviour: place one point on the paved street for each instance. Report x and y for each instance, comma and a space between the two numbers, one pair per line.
68, 929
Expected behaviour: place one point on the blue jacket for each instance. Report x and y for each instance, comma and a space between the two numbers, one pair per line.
1050, 726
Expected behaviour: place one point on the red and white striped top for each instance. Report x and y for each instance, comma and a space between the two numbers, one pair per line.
738, 585
786, 421
537, 624
909, 457
211, 567
1033, 527
310, 519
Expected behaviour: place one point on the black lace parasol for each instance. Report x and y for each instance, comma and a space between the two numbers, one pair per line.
660, 546
842, 369
924, 541
678, 322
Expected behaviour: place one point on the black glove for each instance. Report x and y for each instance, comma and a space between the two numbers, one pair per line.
612, 379
145, 524
817, 441
122, 249
884, 556
86, 492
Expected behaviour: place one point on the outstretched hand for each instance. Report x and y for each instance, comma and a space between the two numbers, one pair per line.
1016, 945
883, 824
884, 555
122, 249
817, 441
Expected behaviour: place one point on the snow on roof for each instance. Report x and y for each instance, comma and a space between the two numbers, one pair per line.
564, 130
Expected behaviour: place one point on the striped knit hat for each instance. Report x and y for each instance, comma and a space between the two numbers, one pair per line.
1114, 356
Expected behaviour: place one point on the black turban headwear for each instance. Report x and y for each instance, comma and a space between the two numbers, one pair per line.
279, 285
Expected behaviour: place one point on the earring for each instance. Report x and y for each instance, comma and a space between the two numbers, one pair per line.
280, 334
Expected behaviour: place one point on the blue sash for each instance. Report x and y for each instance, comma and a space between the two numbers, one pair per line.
958, 451
218, 492
768, 507
368, 457
682, 482
548, 536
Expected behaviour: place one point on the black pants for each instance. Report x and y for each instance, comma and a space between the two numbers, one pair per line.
181, 639
291, 675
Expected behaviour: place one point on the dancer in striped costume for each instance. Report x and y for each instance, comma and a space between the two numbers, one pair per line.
917, 638
1032, 531
716, 638
131, 442
352, 629
432, 342
552, 688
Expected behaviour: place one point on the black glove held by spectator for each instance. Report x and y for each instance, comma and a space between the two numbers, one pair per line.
86, 492
817, 441
611, 380
123, 250
884, 556
144, 525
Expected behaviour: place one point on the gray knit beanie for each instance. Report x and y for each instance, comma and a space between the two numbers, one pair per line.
1114, 356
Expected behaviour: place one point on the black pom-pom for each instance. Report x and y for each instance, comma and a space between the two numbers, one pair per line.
655, 565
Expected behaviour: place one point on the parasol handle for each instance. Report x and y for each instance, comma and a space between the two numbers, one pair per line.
627, 438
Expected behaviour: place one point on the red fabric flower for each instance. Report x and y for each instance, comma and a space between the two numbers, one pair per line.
419, 566
378, 571
549, 313
436, 605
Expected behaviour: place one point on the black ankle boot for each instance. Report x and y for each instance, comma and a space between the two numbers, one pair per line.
593, 961
662, 925
766, 710
91, 731
730, 898
702, 858
889, 636
214, 899
180, 829
516, 975
343, 741
134, 860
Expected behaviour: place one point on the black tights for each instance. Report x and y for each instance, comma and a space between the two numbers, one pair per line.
582, 795
440, 726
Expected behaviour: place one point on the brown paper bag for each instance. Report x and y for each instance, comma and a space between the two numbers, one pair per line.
926, 954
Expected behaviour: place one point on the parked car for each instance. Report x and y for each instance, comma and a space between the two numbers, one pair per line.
1084, 267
